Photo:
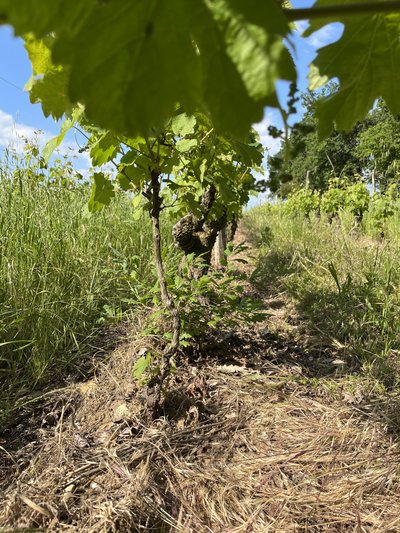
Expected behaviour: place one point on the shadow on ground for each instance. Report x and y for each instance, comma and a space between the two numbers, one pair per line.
336, 333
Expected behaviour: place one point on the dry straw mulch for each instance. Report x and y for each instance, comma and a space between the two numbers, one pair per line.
238, 450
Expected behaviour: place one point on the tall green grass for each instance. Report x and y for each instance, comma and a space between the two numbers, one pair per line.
63, 272
344, 279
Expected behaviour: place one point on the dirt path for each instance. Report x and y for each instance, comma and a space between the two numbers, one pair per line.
272, 432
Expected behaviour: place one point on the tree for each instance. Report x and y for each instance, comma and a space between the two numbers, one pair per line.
379, 147
306, 160
371, 148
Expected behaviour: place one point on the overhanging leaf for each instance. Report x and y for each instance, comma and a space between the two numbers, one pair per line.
254, 34
105, 149
50, 91
102, 192
366, 61
45, 16
183, 124
39, 52
130, 80
64, 129
129, 62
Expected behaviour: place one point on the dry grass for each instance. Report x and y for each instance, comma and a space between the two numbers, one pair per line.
270, 436
237, 451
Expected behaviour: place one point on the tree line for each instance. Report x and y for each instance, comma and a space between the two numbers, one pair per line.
371, 149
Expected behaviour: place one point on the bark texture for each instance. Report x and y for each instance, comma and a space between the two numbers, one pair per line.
197, 235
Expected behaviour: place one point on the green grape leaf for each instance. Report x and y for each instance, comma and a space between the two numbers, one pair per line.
50, 91
102, 192
315, 80
249, 153
183, 124
225, 91
192, 203
253, 34
134, 174
48, 83
137, 143
129, 158
64, 129
124, 183
131, 80
203, 169
185, 145
105, 149
39, 52
140, 366
227, 194
44, 17
174, 186
366, 61
129, 62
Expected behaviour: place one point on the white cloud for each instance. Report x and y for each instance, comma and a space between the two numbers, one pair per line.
14, 135
271, 118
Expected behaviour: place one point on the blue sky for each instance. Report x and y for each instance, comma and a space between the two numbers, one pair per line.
19, 117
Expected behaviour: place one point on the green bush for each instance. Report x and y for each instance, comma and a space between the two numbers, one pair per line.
357, 198
334, 199
303, 201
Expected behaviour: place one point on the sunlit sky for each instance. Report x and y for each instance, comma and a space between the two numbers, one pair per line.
19, 117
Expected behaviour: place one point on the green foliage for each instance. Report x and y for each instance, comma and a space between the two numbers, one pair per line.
345, 284
306, 160
68, 123
177, 168
187, 165
382, 207
210, 303
334, 199
63, 272
141, 367
48, 81
379, 147
303, 201
357, 198
103, 149
215, 301
102, 192
218, 57
341, 194
365, 60
123, 68
221, 57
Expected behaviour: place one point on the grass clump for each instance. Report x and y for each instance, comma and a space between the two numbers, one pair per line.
63, 272
343, 278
